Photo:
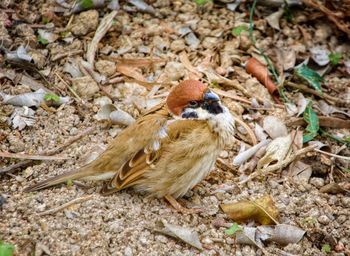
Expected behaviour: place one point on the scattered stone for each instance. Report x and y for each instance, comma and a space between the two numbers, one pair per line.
85, 22
85, 86
323, 219
105, 67
317, 182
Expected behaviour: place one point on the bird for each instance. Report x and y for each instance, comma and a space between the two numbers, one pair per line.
167, 151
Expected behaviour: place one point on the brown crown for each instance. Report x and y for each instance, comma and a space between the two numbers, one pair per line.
183, 93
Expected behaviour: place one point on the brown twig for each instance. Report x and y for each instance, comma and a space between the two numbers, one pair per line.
333, 16
337, 101
325, 121
250, 132
49, 152
66, 54
66, 205
102, 29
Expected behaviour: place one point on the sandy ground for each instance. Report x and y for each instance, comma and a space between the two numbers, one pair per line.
122, 223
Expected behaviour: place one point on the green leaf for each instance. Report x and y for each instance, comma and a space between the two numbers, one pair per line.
51, 96
311, 76
6, 249
326, 248
233, 229
45, 20
86, 4
335, 58
287, 13
42, 40
239, 29
69, 183
312, 120
202, 2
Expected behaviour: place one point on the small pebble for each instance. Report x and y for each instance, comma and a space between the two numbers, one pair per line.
128, 251
323, 219
207, 240
317, 182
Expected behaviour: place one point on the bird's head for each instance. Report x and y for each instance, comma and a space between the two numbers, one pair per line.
191, 99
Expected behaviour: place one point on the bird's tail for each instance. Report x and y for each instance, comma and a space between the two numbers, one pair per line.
71, 175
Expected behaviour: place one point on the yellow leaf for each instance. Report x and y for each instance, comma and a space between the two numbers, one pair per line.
262, 210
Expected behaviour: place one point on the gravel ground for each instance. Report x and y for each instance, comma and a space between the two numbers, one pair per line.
122, 223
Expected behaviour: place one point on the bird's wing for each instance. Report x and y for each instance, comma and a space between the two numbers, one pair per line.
177, 132
131, 140
134, 138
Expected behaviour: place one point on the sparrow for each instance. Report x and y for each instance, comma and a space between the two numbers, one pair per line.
167, 151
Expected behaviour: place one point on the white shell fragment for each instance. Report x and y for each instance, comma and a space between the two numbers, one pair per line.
274, 19
320, 55
274, 127
117, 116
121, 117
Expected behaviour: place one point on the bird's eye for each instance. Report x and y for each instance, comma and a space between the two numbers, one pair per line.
193, 104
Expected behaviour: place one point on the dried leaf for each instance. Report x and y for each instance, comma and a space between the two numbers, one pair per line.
259, 132
132, 72
186, 235
287, 234
282, 234
247, 154
248, 236
301, 172
274, 19
302, 103
19, 54
274, 127
288, 58
260, 72
320, 55
291, 108
262, 210
22, 117
311, 76
276, 151
311, 119
328, 109
332, 188
71, 67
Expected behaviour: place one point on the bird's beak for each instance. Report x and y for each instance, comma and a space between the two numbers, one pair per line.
210, 96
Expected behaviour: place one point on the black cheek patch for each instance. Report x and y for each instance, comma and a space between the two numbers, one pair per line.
213, 108
189, 115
